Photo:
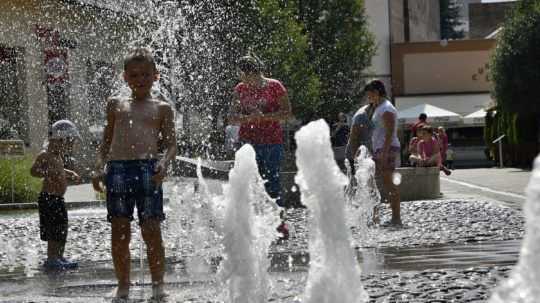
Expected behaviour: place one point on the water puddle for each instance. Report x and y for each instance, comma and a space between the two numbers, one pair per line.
389, 259
97, 278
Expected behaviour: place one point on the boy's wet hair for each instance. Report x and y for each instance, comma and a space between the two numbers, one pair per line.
376, 86
249, 65
140, 55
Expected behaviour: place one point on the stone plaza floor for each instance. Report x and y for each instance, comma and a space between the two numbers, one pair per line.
455, 249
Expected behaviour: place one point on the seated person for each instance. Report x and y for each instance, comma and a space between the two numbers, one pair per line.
429, 152
449, 163
413, 151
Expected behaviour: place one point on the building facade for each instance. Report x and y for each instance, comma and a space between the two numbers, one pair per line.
486, 18
399, 21
57, 61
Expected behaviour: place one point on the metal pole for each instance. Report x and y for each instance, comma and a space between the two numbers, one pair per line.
141, 265
12, 181
501, 165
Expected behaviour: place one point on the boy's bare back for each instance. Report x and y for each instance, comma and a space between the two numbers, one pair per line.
134, 127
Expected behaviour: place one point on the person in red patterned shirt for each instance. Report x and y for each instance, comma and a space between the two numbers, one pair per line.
260, 105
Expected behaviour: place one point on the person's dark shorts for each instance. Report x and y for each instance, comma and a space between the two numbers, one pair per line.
53, 218
392, 162
129, 183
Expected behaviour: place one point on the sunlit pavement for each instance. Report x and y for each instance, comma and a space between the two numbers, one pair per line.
504, 185
458, 248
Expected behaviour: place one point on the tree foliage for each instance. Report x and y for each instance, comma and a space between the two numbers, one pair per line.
514, 66
282, 44
450, 20
318, 49
341, 47
515, 75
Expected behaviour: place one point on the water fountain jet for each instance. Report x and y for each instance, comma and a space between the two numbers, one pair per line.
250, 219
334, 274
523, 285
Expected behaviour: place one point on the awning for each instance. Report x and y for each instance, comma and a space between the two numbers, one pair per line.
478, 117
462, 104
435, 115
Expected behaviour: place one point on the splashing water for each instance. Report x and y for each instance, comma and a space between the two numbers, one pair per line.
250, 219
197, 214
523, 285
365, 198
31, 260
334, 274
11, 253
205, 233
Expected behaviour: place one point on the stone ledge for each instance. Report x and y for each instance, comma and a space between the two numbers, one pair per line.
69, 205
419, 183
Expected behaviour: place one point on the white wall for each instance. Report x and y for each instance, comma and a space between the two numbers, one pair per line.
96, 38
16, 31
445, 72
378, 16
378, 12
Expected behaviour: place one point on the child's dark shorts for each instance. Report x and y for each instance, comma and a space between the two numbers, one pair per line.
53, 218
129, 183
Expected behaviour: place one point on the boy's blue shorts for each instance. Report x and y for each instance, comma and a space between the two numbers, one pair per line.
129, 183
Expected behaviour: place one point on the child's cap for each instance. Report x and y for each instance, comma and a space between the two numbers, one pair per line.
64, 129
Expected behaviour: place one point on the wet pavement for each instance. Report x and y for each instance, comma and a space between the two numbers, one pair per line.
449, 248
471, 284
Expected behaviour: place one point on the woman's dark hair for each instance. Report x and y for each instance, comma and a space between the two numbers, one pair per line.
422, 117
249, 64
376, 86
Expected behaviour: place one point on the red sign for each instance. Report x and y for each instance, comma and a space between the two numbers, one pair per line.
56, 64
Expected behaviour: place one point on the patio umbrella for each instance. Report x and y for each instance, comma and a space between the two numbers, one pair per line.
478, 117
435, 114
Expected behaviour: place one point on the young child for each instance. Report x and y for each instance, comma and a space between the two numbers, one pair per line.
450, 157
428, 147
53, 218
134, 170
414, 156
443, 142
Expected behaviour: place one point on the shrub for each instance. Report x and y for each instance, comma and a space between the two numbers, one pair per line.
26, 187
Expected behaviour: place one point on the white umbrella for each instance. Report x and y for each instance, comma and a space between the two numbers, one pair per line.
478, 117
435, 114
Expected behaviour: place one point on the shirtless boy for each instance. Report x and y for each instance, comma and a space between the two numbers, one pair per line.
134, 170
53, 217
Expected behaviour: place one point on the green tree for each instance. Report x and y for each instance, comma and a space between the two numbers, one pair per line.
515, 75
450, 20
318, 49
282, 43
341, 47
